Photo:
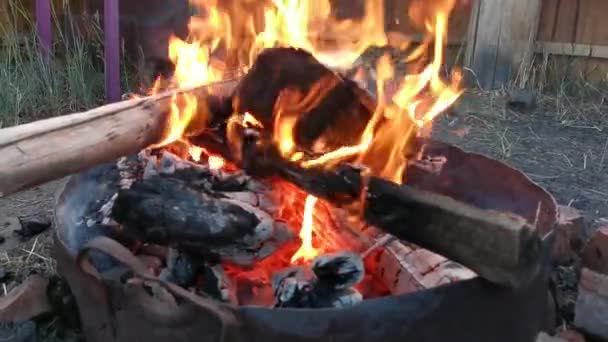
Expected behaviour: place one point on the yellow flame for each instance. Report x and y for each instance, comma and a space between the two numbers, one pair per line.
195, 153
245, 28
216, 162
307, 251
413, 106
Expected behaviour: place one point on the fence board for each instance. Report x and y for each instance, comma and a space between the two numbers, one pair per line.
592, 24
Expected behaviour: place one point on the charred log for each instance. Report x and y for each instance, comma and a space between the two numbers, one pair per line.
501, 247
170, 211
333, 100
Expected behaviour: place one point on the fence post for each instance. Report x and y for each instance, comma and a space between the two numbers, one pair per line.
500, 40
44, 27
112, 50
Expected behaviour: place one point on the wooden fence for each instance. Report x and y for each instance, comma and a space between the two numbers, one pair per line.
501, 37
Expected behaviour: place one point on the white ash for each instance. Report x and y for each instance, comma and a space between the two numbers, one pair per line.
268, 236
255, 247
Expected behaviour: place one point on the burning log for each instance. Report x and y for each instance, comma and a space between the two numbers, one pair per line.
330, 99
500, 247
50, 149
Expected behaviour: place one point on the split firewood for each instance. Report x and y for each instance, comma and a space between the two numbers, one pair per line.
501, 247
44, 150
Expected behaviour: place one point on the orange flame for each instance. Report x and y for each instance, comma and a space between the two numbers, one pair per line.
306, 252
244, 29
417, 101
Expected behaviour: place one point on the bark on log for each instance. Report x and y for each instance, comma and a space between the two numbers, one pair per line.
44, 150
500, 247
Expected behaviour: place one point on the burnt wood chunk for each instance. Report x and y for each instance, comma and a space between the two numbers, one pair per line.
162, 210
336, 109
339, 271
329, 287
168, 211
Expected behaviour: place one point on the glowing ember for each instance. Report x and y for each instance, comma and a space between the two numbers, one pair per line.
215, 162
306, 252
195, 153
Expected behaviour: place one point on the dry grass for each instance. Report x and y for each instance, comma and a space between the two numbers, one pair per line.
561, 144
72, 80
32, 257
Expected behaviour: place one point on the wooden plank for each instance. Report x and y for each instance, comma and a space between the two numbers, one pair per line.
501, 40
567, 49
548, 19
592, 26
566, 21
112, 50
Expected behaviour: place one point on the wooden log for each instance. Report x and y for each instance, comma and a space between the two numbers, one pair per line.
500, 247
41, 151
322, 100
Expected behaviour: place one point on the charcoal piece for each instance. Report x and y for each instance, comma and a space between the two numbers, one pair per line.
217, 285
297, 288
232, 183
336, 100
31, 227
5, 275
184, 267
168, 211
63, 302
338, 271
291, 290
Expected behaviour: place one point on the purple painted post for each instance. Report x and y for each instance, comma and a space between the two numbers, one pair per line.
43, 26
112, 50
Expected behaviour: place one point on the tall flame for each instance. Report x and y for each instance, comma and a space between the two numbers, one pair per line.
306, 252
239, 30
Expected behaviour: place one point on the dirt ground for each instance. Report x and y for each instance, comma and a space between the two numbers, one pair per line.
562, 146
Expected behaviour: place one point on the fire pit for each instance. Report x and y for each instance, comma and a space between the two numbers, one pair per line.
463, 310
300, 207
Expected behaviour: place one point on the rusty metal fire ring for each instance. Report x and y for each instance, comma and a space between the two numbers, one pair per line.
470, 310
